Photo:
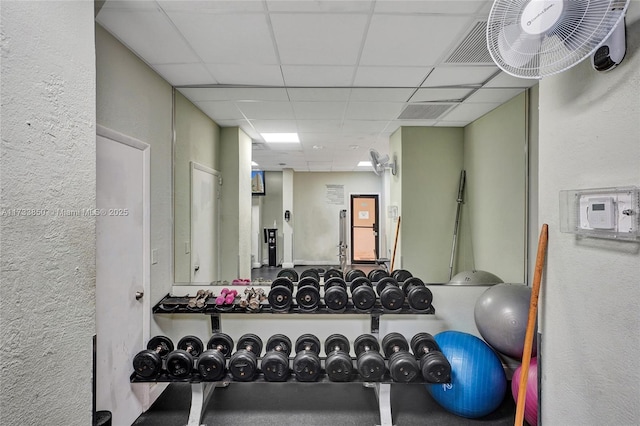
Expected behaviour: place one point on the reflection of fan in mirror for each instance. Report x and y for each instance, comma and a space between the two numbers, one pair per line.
538, 38
379, 163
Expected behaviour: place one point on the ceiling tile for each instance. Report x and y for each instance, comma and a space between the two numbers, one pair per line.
288, 147
380, 94
274, 126
266, 110
208, 5
364, 126
435, 94
196, 94
505, 80
390, 76
318, 39
257, 93
408, 40
317, 76
309, 126
319, 6
459, 76
443, 123
411, 123
220, 110
319, 166
148, 33
266, 75
178, 74
128, 4
216, 39
232, 123
469, 112
319, 110
318, 94
373, 110
430, 6
493, 95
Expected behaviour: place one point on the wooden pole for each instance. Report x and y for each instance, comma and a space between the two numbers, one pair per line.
531, 324
395, 244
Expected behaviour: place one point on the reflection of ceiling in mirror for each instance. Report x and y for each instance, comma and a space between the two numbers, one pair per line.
340, 74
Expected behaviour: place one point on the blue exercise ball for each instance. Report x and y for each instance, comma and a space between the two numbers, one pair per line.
478, 382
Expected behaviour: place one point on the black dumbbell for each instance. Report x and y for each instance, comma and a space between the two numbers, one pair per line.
338, 365
403, 366
362, 294
370, 363
243, 364
148, 363
281, 294
180, 362
275, 363
390, 294
401, 275
306, 364
211, 363
335, 294
290, 273
308, 294
418, 295
434, 365
332, 272
376, 275
352, 274
312, 272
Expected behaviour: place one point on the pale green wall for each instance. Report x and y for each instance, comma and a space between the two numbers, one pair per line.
197, 139
315, 221
271, 210
132, 99
432, 158
394, 197
494, 208
235, 161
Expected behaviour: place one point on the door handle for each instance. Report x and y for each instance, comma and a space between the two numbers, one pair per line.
139, 295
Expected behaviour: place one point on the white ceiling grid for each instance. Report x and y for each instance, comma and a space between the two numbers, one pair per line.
339, 73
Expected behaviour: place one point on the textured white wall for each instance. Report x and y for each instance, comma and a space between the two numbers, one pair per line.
590, 322
47, 300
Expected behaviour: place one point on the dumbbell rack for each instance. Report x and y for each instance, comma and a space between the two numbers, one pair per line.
202, 391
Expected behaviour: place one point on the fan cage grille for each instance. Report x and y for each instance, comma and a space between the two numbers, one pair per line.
580, 30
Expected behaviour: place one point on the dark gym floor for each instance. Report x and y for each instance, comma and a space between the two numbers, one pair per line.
310, 404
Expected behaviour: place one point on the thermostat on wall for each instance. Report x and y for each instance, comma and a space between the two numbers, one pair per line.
604, 213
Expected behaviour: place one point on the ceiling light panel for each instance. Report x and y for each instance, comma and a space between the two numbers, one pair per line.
318, 39
148, 33
216, 39
413, 42
272, 137
390, 76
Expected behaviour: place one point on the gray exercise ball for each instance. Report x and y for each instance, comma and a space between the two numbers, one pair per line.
474, 277
501, 315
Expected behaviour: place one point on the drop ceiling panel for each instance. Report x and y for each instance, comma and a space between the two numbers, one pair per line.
256, 94
364, 126
266, 110
469, 112
288, 147
373, 110
148, 33
430, 6
506, 80
320, 39
318, 94
204, 94
261, 75
436, 94
319, 166
493, 95
178, 74
216, 39
308, 126
319, 110
458, 76
380, 94
275, 126
317, 76
319, 6
222, 110
404, 40
390, 76
208, 5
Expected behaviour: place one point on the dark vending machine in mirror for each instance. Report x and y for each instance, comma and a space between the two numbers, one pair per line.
270, 238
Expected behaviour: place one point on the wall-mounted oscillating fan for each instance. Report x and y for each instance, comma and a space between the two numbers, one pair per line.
379, 163
538, 38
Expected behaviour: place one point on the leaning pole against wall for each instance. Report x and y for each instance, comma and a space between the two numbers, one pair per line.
463, 177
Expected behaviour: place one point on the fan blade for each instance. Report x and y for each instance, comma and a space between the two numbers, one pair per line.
518, 48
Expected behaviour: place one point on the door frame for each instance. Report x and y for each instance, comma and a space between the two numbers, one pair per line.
377, 228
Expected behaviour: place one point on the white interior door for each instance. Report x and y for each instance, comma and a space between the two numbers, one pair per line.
205, 219
122, 269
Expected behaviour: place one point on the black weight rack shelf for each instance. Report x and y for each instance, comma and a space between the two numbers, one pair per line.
179, 305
